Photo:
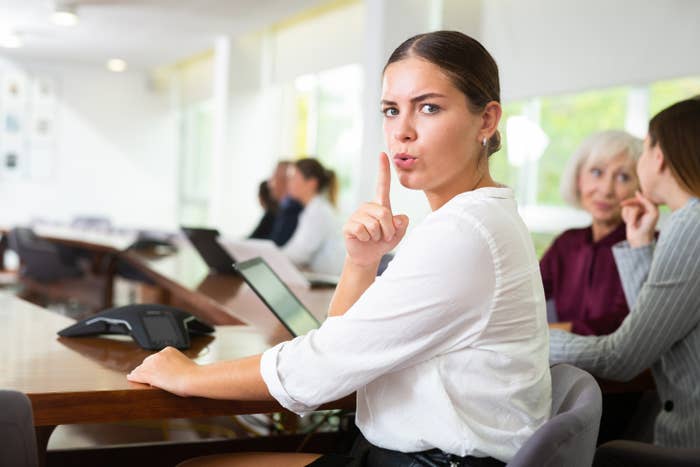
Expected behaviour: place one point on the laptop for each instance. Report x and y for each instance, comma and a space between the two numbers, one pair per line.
276, 295
221, 255
247, 249
206, 244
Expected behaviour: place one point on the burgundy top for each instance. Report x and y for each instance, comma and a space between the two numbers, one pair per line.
581, 277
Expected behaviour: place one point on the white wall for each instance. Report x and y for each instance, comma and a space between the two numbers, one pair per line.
546, 47
114, 152
326, 41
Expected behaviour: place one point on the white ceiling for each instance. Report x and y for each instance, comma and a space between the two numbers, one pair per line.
146, 33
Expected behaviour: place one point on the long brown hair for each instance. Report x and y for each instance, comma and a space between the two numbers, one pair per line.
327, 181
676, 130
465, 62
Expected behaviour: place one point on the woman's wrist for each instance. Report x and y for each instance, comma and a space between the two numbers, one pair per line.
362, 265
189, 381
639, 241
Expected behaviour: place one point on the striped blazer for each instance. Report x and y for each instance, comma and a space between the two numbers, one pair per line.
662, 286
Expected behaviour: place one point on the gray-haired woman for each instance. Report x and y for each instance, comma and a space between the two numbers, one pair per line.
578, 271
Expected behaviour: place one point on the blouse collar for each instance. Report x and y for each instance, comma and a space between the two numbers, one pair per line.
616, 235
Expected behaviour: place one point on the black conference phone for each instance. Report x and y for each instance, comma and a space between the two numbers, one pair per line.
153, 327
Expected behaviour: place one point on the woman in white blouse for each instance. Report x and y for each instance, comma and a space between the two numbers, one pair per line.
448, 349
317, 241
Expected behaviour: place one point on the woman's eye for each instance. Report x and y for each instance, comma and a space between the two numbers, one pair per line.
623, 177
390, 112
429, 108
596, 172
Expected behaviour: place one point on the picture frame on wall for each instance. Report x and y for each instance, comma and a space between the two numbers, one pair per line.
27, 126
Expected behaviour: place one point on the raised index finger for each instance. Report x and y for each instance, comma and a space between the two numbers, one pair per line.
383, 181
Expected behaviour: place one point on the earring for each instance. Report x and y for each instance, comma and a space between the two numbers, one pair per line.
483, 142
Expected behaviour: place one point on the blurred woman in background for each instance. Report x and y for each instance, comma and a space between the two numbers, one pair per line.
269, 206
317, 241
579, 275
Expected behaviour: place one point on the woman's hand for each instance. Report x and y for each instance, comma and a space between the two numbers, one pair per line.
640, 216
373, 230
168, 369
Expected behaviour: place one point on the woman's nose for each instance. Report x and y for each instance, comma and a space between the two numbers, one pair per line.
607, 185
404, 130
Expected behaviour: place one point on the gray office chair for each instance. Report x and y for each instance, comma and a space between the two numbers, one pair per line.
50, 274
621, 453
569, 437
41, 260
18, 445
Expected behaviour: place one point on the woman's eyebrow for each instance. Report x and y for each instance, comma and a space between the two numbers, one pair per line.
422, 97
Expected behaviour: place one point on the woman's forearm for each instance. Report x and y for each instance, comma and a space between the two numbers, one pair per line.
234, 379
173, 371
354, 280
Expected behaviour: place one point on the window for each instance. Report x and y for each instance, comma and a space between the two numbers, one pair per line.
664, 93
567, 120
328, 122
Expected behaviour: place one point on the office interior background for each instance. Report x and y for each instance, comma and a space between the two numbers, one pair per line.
209, 95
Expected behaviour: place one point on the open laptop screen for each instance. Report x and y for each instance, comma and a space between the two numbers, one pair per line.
278, 298
206, 243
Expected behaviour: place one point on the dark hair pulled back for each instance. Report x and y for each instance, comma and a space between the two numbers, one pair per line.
326, 178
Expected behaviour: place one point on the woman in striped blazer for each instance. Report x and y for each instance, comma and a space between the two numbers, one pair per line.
661, 281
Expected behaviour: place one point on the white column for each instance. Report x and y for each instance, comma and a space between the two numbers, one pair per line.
372, 138
220, 160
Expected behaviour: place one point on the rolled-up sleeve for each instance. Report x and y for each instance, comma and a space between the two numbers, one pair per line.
430, 299
268, 370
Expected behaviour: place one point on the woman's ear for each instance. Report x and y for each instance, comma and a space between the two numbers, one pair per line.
490, 118
659, 159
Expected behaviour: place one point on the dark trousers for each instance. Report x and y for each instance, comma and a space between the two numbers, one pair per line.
365, 454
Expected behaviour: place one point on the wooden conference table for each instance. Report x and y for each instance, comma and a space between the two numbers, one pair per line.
83, 380
186, 282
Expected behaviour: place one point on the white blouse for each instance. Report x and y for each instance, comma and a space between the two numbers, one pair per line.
447, 349
317, 242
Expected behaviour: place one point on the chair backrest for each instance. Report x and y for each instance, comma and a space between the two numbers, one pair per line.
569, 437
18, 445
41, 259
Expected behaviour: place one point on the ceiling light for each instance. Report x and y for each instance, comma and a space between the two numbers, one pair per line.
116, 65
64, 14
11, 40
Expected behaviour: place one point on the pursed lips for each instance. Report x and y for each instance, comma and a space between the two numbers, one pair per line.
404, 156
404, 160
